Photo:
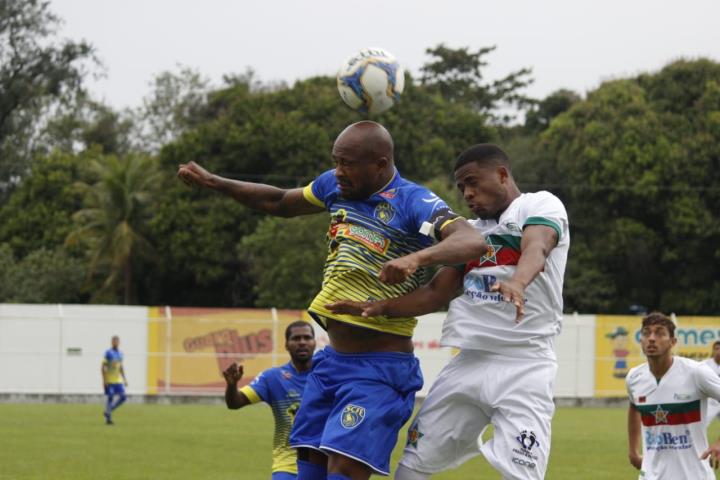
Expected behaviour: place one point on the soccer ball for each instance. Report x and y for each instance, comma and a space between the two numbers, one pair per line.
371, 81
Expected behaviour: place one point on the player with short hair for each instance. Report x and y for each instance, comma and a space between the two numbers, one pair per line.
714, 364
382, 233
114, 379
281, 388
505, 323
668, 402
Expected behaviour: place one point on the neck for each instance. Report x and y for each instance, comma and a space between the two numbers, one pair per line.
660, 365
302, 366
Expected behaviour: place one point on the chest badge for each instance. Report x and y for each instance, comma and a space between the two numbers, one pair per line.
384, 212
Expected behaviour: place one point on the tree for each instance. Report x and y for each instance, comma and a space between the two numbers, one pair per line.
539, 117
112, 224
637, 164
36, 71
457, 75
286, 258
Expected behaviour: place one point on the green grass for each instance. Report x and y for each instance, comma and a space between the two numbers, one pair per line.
60, 441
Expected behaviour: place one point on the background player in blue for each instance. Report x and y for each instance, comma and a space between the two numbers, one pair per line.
114, 379
362, 387
281, 388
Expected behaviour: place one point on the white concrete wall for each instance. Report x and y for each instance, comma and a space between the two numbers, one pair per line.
37, 345
59, 348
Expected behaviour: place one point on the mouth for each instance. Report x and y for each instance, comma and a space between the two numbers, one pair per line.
302, 351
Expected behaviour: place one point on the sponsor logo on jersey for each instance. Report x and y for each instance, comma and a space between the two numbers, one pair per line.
513, 227
389, 194
667, 440
352, 416
527, 440
682, 396
371, 239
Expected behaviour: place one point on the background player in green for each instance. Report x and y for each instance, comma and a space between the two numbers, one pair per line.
668, 402
114, 379
281, 388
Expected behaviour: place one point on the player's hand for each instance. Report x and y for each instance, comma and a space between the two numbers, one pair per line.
713, 454
233, 374
348, 307
398, 270
635, 459
193, 174
512, 292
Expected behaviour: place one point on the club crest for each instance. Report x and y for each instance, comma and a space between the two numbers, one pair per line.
352, 416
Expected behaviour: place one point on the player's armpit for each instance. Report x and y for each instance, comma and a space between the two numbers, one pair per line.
634, 437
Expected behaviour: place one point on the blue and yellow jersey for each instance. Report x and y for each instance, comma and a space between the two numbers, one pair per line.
113, 366
363, 235
281, 388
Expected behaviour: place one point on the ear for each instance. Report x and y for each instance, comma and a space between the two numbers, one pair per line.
382, 163
503, 173
673, 341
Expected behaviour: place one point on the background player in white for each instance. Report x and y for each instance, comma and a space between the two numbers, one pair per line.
668, 402
505, 322
714, 363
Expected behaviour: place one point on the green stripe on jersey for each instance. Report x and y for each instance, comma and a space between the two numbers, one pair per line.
671, 408
543, 221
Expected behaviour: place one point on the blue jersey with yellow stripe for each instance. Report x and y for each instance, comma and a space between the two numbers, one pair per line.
363, 235
281, 388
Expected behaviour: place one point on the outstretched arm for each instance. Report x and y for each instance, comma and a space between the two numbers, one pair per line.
634, 443
263, 198
460, 243
536, 244
426, 299
234, 399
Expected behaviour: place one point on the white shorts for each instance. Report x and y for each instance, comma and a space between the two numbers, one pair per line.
474, 390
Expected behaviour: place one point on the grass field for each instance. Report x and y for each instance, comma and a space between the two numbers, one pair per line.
59, 441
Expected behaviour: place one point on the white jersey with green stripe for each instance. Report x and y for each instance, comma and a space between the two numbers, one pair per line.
672, 412
479, 319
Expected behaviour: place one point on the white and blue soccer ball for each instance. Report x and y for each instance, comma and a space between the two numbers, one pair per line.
371, 81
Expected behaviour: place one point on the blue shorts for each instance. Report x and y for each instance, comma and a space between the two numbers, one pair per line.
355, 405
115, 389
284, 476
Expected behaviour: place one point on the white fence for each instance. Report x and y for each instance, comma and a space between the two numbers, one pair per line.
59, 348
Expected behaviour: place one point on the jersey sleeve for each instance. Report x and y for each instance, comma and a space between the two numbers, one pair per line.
546, 209
318, 190
429, 213
107, 358
258, 390
708, 382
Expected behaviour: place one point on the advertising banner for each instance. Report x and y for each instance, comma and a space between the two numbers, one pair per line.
617, 347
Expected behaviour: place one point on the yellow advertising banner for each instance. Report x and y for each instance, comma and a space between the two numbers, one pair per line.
617, 347
190, 347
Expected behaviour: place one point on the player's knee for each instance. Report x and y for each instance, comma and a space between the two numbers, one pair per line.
340, 464
405, 473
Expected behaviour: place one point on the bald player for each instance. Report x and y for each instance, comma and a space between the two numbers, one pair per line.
383, 231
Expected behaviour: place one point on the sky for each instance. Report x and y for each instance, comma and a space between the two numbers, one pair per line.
568, 44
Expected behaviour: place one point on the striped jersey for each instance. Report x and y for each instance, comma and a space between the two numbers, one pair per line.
672, 410
113, 366
365, 234
281, 388
479, 319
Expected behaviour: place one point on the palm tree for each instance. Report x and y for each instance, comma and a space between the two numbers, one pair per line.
114, 216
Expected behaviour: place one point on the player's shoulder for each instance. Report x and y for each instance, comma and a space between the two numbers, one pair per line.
637, 374
687, 363
540, 198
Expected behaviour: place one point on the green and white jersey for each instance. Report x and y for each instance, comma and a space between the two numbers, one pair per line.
672, 411
479, 319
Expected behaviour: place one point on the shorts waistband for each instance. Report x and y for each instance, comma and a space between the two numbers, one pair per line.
368, 355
